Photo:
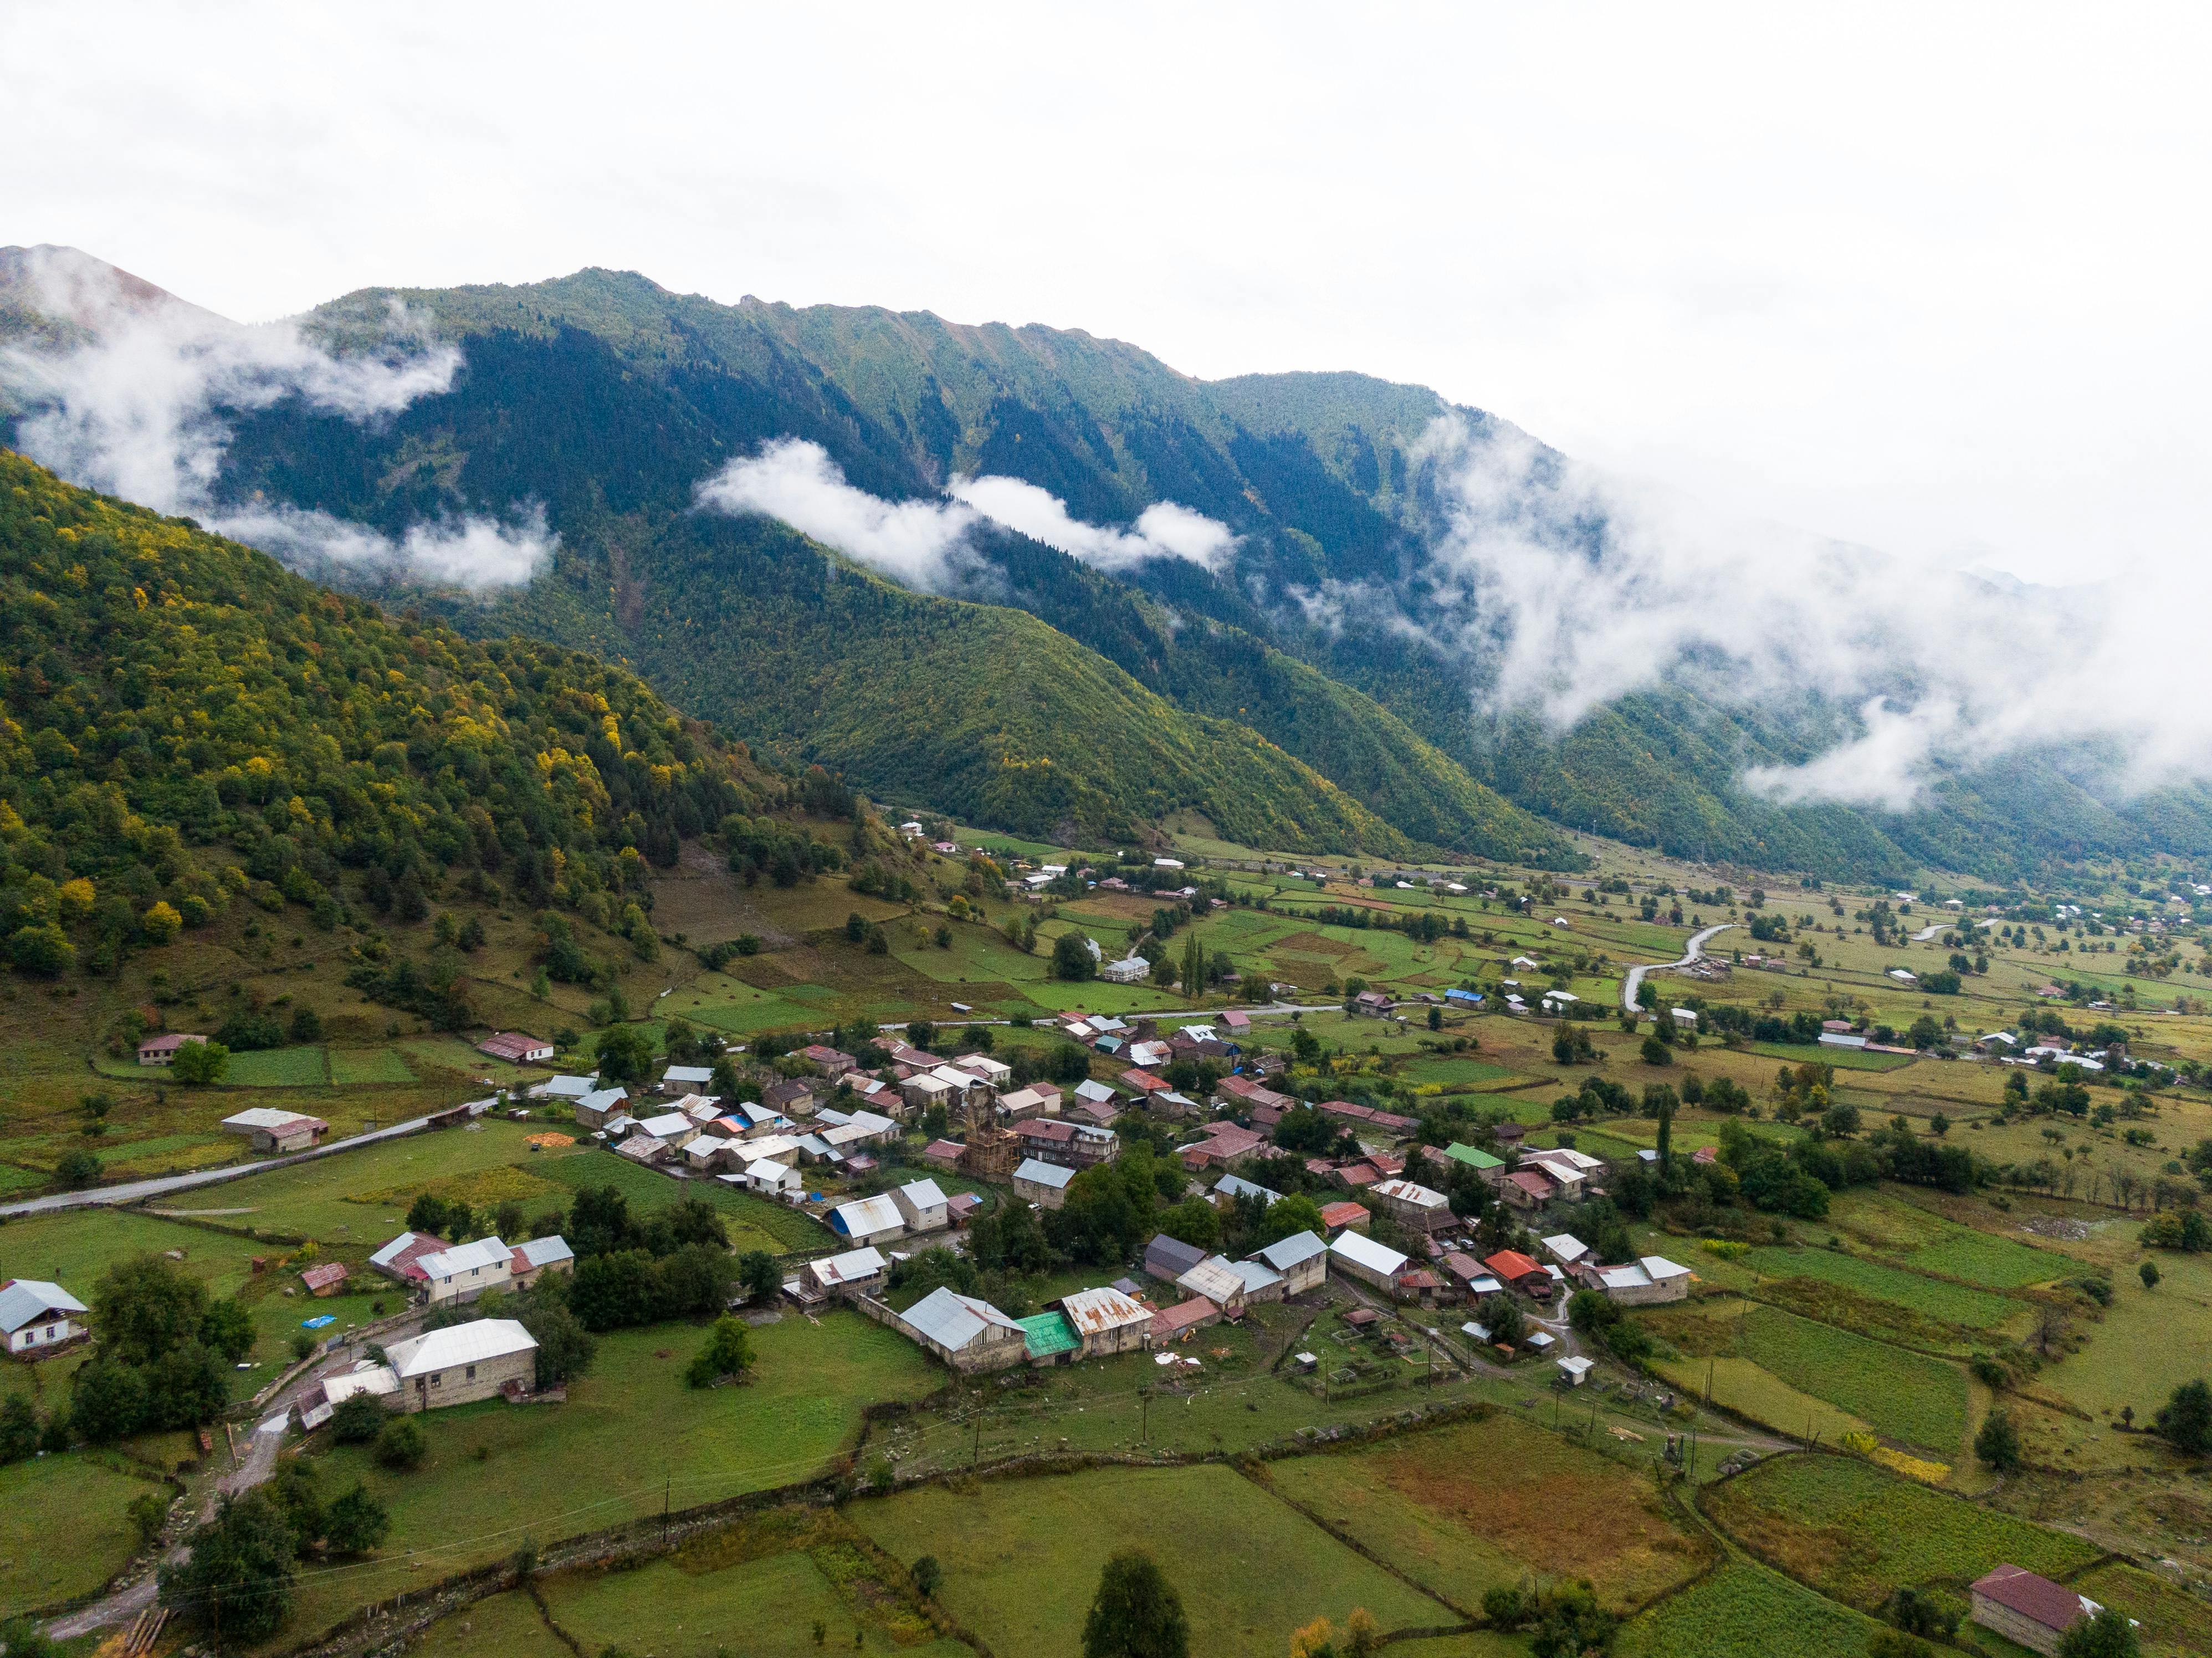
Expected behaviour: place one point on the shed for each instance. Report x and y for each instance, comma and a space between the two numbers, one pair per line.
1575, 1371
516, 1047
855, 1271
325, 1277
271, 1130
1107, 1321
1049, 1338
1177, 1323
968, 1334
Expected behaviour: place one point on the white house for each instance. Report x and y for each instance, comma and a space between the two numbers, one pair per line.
462, 1363
1129, 970
921, 1206
868, 1221
35, 1315
466, 1271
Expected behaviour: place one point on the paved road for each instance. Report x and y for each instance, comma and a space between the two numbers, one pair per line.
1694, 949
139, 1191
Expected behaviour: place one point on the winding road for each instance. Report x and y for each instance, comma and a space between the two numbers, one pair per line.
1695, 948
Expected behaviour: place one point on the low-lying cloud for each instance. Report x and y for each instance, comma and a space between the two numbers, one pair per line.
930, 543
1563, 590
140, 403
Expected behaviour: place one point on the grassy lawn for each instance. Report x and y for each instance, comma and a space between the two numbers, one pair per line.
1952, 1303
1858, 1533
278, 1067
63, 1529
1758, 1396
754, 1222
1486, 1503
629, 1432
507, 1624
74, 1247
1744, 1611
1250, 1569
1844, 1059
354, 1066
2149, 1342
2175, 1623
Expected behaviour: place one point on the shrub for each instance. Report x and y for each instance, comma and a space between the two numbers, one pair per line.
402, 1444
357, 1420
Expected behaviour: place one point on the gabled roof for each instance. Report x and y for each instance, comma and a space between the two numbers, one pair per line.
1095, 1311
466, 1257
953, 1321
268, 1117
1237, 1186
1297, 1248
1215, 1278
1363, 1251
1257, 1275
404, 1253
689, 1076
866, 1217
1511, 1265
459, 1343
1170, 1257
849, 1267
1040, 1173
26, 1300
1405, 1191
1473, 1155
668, 1124
923, 1194
598, 1099
542, 1251
2038, 1599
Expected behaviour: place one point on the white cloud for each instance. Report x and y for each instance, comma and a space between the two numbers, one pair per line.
928, 543
1164, 530
922, 544
140, 408
1562, 589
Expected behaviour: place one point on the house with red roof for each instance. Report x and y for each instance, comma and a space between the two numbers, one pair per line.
2015, 1603
1510, 1266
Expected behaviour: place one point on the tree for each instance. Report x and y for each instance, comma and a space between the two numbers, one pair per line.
728, 1353
625, 1053
77, 1170
237, 1581
357, 1419
2184, 1421
2148, 1273
928, 1577
43, 950
1997, 1444
1194, 1221
1136, 1613
2107, 1634
1656, 1051
565, 1348
757, 1276
1072, 959
160, 924
200, 1065
356, 1523
19, 1429
1286, 1216
402, 1444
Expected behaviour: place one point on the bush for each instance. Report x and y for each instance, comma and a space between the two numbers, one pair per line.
77, 1170
402, 1444
357, 1420
1997, 1444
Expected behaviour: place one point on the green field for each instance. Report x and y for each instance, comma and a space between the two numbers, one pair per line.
63, 1531
1743, 1611
507, 1625
1902, 1394
2175, 1623
1758, 1396
1481, 1503
1858, 1533
1844, 1059
1952, 1303
754, 1222
278, 1067
630, 1433
1021, 1558
355, 1065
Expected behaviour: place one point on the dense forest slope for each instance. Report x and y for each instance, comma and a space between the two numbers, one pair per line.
165, 689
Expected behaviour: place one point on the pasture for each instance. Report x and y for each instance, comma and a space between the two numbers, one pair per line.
1934, 1298
1021, 1558
1742, 1611
64, 1529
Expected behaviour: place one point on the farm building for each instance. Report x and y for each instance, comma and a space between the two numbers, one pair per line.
1346, 1214
1167, 1258
868, 1221
271, 1130
793, 1096
857, 1272
464, 1363
1575, 1371
325, 1278
1567, 1249
686, 1079
967, 1334
1510, 1266
1218, 1281
1177, 1323
532, 1260
2015, 1603
1225, 1146
1475, 1158
36, 1315
402, 1257
162, 1049
516, 1047
1024, 1104
827, 1061
1107, 1321
1641, 1283
564, 1088
921, 1206
597, 1106
1261, 1281
642, 1148
467, 1270
1049, 1339
1301, 1258
1357, 1255
1129, 970
1528, 1187
1044, 1184
1416, 1206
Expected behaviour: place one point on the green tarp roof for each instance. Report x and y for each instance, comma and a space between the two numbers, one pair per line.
1048, 1334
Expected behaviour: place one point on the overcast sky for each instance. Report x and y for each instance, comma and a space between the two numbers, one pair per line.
1933, 282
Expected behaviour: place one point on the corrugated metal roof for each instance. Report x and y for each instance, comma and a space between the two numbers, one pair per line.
1044, 1173
1257, 1275
542, 1251
849, 1267
266, 1116
867, 1216
467, 1257
923, 1194
1169, 1258
1363, 1251
1047, 1335
459, 1343
24, 1300
1214, 1277
1237, 1187
1095, 1312
1297, 1248
951, 1320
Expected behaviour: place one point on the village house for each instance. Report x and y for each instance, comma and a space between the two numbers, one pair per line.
1230, 1187
1301, 1258
270, 1130
466, 1271
401, 1258
993, 1073
921, 1206
1470, 1275
1097, 1097
516, 1047
1079, 1146
36, 1317
944, 1154
673, 1129
162, 1049
1022, 1104
1512, 1268
1417, 1207
1094, 1113
1143, 1083
709, 1152
1570, 1170
868, 1221
1644, 1283
1225, 1144
1181, 1322
1492, 1170
2013, 1602
1567, 1249
1529, 1187
1261, 1281
854, 1272
642, 1148
463, 1363
564, 1088
1044, 1184
926, 1089
827, 1061
1365, 1116
325, 1278
599, 1107
793, 1096
1359, 1257
1344, 1214
1373, 1003
1129, 970
1107, 1321
532, 1260
971, 1336
686, 1079
1167, 1258
1218, 1281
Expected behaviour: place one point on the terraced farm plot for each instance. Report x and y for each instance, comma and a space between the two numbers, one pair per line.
1951, 1303
1743, 1611
1999, 1263
1481, 1503
1844, 1059
2175, 1623
278, 1067
1858, 1533
1022, 1556
362, 1067
1455, 1071
1902, 1395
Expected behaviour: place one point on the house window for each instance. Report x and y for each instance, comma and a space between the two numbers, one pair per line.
472, 1373
438, 1379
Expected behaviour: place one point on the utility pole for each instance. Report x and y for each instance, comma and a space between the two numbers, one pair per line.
667, 1484
976, 1458
1145, 1404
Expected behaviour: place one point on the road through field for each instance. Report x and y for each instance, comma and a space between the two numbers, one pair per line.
1691, 951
